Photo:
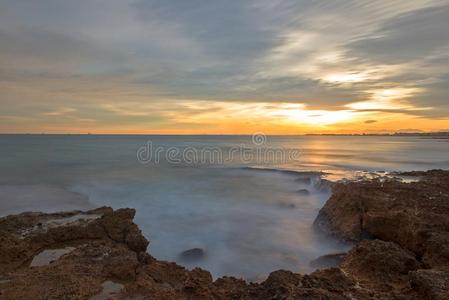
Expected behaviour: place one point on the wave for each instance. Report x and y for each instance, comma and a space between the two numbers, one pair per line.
284, 171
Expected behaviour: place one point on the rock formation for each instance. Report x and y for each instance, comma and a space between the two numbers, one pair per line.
408, 228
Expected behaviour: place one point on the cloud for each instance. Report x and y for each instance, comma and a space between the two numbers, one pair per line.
370, 121
60, 112
410, 36
139, 63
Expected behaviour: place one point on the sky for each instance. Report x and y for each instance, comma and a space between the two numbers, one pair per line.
224, 67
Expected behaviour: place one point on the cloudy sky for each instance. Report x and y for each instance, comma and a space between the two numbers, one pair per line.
220, 67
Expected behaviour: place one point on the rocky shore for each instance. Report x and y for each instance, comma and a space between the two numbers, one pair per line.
400, 233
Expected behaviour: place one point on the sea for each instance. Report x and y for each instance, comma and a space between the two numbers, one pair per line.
248, 202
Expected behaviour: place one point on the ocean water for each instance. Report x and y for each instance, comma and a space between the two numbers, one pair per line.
248, 202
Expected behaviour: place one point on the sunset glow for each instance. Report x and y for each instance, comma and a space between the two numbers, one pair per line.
285, 67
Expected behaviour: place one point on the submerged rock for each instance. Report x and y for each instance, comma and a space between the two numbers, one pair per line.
303, 192
193, 254
287, 205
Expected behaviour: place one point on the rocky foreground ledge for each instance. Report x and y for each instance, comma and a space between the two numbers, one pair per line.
400, 231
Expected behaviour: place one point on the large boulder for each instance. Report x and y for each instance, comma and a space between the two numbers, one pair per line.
405, 213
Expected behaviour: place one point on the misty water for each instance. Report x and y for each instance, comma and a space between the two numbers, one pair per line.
249, 214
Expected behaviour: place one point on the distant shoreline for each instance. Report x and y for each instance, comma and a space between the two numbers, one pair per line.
395, 134
445, 134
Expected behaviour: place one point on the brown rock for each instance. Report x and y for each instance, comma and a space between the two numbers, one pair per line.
431, 284
436, 253
198, 284
326, 284
231, 288
405, 213
281, 284
380, 265
341, 216
117, 223
135, 240
120, 228
78, 274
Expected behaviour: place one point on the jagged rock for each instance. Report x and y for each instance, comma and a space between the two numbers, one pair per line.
405, 213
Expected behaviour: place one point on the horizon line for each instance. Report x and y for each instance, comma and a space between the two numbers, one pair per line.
444, 132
